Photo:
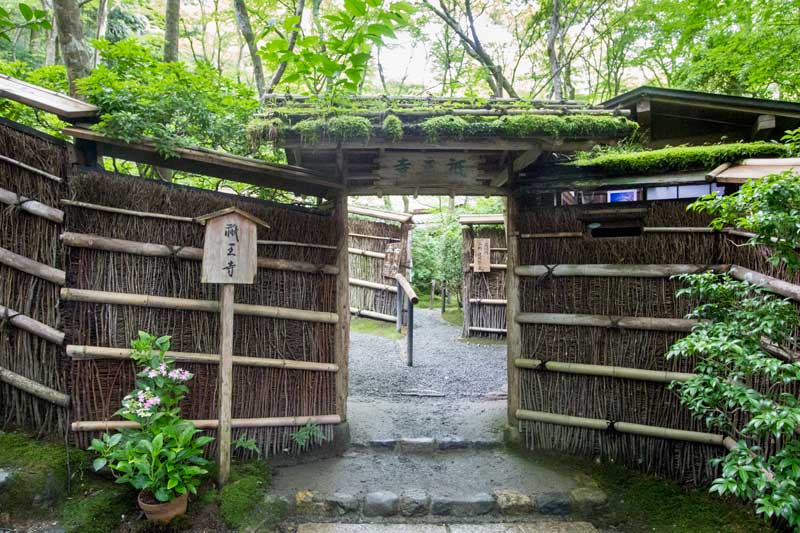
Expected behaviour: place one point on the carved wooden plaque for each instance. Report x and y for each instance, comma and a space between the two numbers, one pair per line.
481, 252
229, 250
391, 265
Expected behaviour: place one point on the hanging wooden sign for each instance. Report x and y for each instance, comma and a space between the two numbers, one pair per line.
229, 258
391, 265
482, 253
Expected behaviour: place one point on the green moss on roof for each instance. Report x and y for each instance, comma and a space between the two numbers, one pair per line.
392, 128
342, 128
678, 159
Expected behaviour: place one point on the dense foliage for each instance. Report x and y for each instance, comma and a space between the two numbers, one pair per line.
743, 345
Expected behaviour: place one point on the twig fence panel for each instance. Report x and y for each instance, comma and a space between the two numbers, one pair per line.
372, 293
34, 388
287, 318
484, 293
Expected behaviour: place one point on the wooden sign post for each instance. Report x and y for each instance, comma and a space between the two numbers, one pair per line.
229, 258
482, 255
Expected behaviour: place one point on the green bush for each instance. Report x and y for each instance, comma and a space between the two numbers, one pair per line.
680, 158
443, 128
392, 128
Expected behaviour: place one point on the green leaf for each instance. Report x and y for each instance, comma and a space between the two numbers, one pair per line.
355, 8
99, 463
26, 11
381, 29
161, 494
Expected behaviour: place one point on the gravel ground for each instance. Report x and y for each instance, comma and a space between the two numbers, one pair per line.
442, 362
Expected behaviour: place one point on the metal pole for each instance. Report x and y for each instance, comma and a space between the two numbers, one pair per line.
399, 307
410, 335
444, 296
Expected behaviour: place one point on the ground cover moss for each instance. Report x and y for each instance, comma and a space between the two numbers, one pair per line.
677, 159
369, 326
243, 502
98, 507
392, 128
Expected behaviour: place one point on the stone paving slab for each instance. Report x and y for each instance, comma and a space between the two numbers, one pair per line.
545, 526
454, 473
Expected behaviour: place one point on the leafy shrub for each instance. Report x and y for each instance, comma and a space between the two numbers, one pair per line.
392, 128
442, 128
338, 129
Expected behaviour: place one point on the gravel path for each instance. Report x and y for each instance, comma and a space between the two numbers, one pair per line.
442, 362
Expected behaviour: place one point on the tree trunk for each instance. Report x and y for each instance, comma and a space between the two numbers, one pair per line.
243, 21
278, 74
171, 34
76, 54
102, 22
51, 49
555, 69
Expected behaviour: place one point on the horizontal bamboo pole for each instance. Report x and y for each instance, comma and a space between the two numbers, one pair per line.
32, 326
678, 229
32, 206
96, 242
487, 330
211, 306
372, 314
29, 168
659, 376
372, 285
78, 352
378, 213
784, 288
556, 235
493, 266
376, 237
367, 253
605, 321
622, 427
297, 244
616, 270
129, 212
32, 387
488, 301
283, 421
407, 288
34, 268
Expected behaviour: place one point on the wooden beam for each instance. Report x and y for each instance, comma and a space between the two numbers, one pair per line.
601, 184
210, 306
83, 353
381, 214
35, 388
606, 321
34, 268
372, 285
32, 206
34, 327
282, 421
95, 242
37, 97
762, 127
475, 220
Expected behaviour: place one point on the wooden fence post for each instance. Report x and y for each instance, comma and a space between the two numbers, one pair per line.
342, 336
410, 334
513, 329
224, 410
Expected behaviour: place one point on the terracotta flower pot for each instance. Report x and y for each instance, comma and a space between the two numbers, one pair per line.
162, 512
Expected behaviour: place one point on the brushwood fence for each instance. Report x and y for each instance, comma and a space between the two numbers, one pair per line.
610, 304
484, 293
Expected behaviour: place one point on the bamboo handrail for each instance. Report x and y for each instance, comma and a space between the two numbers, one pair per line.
32, 326
372, 285
96, 242
408, 290
372, 314
487, 330
79, 352
211, 306
367, 253
778, 286
492, 266
488, 301
30, 168
33, 387
605, 321
363, 236
32, 206
678, 229
298, 244
622, 427
129, 212
34, 268
556, 235
616, 270
282, 421
659, 376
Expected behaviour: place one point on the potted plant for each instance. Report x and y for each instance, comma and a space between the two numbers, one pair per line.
163, 457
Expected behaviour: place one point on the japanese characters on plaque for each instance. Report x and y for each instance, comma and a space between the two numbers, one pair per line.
452, 165
229, 251
391, 265
482, 255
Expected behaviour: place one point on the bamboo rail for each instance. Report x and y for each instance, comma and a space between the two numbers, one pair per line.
403, 283
378, 213
646, 229
297, 244
488, 301
557, 235
778, 286
659, 376
678, 229
621, 270
367, 253
363, 236
492, 266
79, 352
29, 168
34, 268
129, 212
372, 314
604, 321
32, 326
622, 427
488, 330
372, 285
211, 306
96, 242
282, 421
33, 387
32, 206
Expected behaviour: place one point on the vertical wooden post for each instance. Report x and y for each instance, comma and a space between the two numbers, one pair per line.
225, 381
342, 337
399, 307
444, 296
410, 334
513, 329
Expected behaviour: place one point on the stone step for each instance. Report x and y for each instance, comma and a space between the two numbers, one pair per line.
539, 526
427, 444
